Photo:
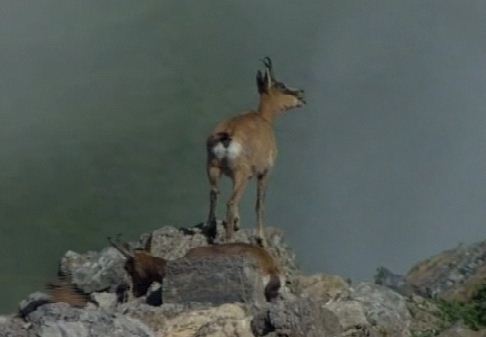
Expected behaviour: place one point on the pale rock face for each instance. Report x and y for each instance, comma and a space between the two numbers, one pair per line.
322, 287
350, 314
462, 332
227, 320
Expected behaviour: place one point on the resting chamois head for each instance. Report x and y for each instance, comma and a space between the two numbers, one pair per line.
276, 94
143, 268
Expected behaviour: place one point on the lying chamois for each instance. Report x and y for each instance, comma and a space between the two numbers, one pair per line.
63, 290
244, 147
144, 269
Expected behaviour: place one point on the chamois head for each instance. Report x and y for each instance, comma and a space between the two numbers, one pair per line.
275, 94
143, 268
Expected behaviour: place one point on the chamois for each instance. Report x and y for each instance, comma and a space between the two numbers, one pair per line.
143, 268
244, 146
63, 290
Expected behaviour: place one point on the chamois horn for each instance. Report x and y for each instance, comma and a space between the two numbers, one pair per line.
267, 62
120, 248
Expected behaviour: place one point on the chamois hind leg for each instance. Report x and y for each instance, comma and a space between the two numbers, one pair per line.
214, 173
260, 208
240, 180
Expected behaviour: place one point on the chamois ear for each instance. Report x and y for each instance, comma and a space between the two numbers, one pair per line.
260, 82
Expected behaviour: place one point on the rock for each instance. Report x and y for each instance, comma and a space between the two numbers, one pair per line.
426, 316
302, 317
455, 274
12, 327
31, 303
349, 314
462, 332
62, 320
227, 320
384, 308
212, 280
321, 287
95, 271
173, 243
107, 301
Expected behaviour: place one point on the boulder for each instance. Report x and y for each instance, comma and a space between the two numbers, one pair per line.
227, 320
301, 317
62, 320
384, 308
219, 280
32, 302
11, 326
95, 271
321, 287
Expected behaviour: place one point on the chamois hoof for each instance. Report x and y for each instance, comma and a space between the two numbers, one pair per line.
261, 242
210, 230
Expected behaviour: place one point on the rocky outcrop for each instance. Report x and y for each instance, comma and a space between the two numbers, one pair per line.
224, 297
221, 280
455, 274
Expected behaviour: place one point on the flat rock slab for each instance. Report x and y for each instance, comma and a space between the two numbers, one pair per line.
225, 279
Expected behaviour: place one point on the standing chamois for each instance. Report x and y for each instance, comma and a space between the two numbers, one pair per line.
244, 146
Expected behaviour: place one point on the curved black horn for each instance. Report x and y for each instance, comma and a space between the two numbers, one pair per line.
119, 247
267, 61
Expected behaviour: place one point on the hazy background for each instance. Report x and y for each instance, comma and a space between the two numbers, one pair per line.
105, 107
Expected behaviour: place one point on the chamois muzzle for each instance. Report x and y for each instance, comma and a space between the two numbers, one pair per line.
299, 94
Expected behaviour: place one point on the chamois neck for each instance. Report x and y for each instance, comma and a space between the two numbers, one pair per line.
268, 109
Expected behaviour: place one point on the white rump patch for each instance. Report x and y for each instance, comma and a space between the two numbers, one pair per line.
231, 152
219, 151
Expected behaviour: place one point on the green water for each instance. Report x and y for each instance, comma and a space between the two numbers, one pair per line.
105, 107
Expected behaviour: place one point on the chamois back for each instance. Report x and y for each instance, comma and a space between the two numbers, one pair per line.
63, 290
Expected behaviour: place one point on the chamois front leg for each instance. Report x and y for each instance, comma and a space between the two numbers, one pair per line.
240, 180
214, 173
262, 180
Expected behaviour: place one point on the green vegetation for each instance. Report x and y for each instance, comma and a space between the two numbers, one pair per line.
472, 314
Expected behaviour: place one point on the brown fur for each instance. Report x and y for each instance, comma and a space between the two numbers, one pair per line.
253, 132
62, 290
144, 269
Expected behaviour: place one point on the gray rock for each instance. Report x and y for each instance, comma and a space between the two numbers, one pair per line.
455, 274
173, 243
384, 308
95, 271
212, 280
298, 318
62, 320
12, 327
107, 301
31, 303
